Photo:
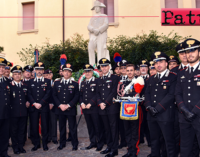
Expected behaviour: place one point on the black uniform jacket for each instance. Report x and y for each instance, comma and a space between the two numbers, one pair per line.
160, 94
5, 99
66, 94
39, 92
106, 91
187, 93
88, 95
18, 99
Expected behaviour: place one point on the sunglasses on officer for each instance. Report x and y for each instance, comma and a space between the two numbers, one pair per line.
87, 71
123, 67
7, 68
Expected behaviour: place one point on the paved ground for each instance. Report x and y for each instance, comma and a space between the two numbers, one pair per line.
66, 152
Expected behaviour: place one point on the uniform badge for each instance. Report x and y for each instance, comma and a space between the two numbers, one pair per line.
164, 87
59, 90
195, 79
92, 89
198, 83
108, 86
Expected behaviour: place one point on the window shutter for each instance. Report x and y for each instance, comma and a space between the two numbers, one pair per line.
28, 10
171, 3
197, 3
109, 10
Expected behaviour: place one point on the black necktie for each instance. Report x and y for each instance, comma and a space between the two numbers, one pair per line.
159, 75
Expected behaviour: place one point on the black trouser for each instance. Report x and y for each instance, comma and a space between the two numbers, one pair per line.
72, 128
144, 130
157, 128
132, 135
111, 125
18, 128
4, 136
195, 148
52, 126
122, 132
94, 129
177, 140
34, 127
188, 133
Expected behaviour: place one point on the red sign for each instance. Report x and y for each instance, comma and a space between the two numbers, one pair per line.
180, 17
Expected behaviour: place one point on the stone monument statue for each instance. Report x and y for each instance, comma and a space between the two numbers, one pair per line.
98, 34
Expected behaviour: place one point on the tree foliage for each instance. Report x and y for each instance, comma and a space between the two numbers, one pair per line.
1, 49
132, 49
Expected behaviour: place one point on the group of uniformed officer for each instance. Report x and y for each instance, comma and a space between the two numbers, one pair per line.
169, 116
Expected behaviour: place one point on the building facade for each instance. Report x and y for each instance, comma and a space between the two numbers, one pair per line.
126, 17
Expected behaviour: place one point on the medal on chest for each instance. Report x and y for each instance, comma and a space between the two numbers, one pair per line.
108, 86
164, 87
198, 83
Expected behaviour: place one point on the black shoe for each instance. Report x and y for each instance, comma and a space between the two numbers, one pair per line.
74, 148
129, 155
22, 150
6, 156
45, 148
61, 147
55, 142
106, 151
35, 148
99, 148
121, 146
68, 140
89, 147
16, 151
112, 154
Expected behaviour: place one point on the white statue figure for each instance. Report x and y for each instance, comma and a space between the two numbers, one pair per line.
98, 34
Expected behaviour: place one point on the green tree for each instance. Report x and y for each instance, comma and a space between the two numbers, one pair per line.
1, 49
132, 49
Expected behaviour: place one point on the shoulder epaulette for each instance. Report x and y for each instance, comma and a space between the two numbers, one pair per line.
173, 73
57, 79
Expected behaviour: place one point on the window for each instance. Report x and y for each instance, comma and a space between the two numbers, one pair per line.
28, 11
171, 3
197, 3
109, 10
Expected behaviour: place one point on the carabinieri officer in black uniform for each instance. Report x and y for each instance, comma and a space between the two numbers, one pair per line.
159, 101
90, 108
39, 90
27, 72
66, 96
18, 99
4, 109
187, 98
108, 111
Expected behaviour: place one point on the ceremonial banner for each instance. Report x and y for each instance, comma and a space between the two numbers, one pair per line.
129, 110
